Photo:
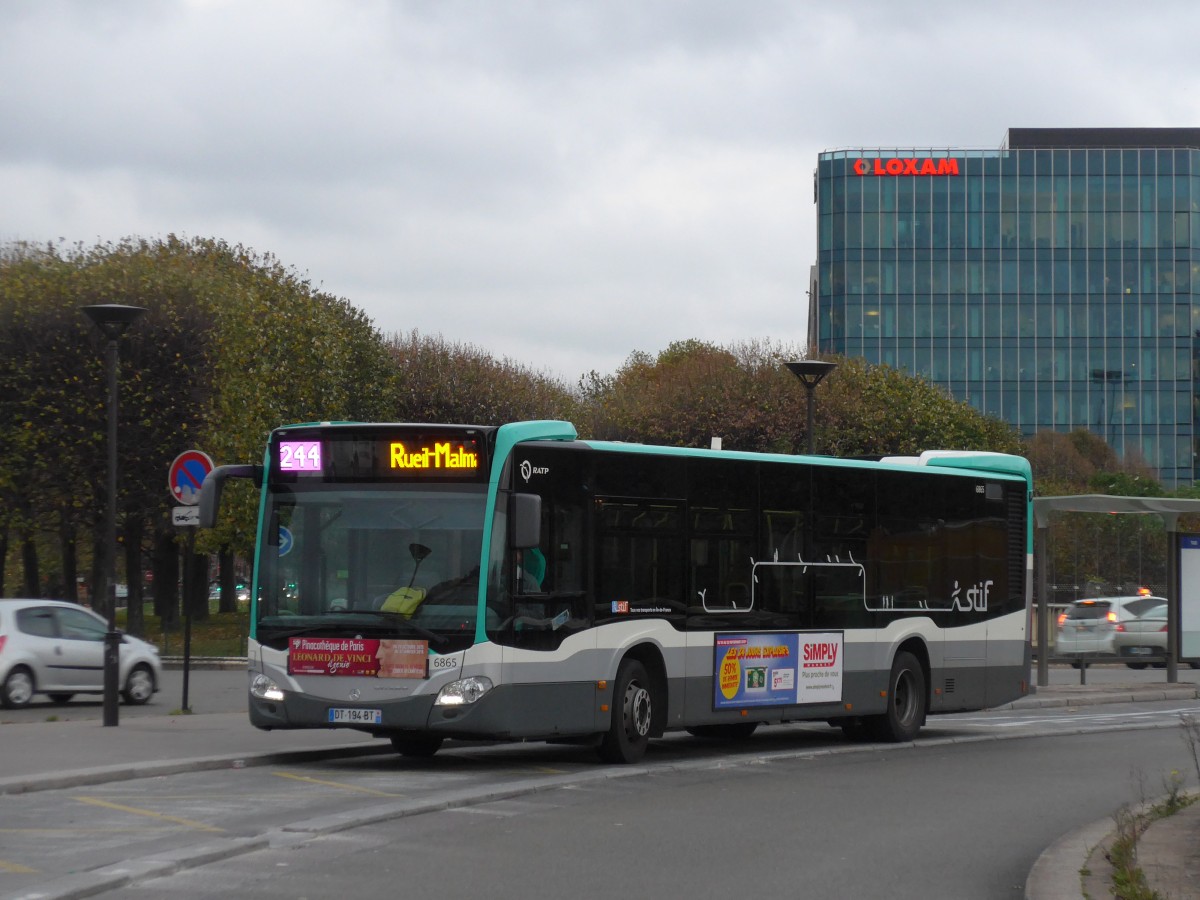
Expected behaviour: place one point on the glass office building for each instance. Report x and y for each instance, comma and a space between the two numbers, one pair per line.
1054, 282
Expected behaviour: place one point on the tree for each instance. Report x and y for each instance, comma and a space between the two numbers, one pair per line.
440, 381
694, 391
233, 345
871, 410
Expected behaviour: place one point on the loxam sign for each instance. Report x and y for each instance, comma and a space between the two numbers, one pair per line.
906, 166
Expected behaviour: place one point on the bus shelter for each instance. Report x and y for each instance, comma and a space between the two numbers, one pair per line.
1168, 509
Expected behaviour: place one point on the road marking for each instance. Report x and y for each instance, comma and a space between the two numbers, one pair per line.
190, 823
16, 868
71, 831
1070, 717
335, 784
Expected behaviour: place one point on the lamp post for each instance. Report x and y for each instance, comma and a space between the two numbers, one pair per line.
1108, 378
112, 319
810, 372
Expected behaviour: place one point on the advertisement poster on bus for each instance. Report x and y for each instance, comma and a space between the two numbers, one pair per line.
777, 669
364, 657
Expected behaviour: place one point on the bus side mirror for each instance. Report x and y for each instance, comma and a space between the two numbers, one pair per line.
526, 512
214, 482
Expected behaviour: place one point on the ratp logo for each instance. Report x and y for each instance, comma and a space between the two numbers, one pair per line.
528, 470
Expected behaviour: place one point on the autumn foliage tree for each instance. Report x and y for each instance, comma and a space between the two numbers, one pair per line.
437, 380
232, 344
694, 391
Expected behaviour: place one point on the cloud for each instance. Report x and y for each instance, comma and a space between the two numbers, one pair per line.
561, 184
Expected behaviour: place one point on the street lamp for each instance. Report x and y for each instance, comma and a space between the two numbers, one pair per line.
1108, 378
112, 319
810, 372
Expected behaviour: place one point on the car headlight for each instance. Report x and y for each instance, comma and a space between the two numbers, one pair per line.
464, 691
264, 688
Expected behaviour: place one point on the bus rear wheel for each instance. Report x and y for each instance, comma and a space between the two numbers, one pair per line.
632, 714
416, 746
905, 703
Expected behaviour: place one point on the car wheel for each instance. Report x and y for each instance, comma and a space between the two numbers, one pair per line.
139, 686
1136, 665
17, 690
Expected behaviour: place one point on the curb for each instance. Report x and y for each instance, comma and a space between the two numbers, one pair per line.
130, 772
1182, 691
204, 662
1056, 874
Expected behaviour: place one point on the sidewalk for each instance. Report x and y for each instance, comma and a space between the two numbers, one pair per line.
48, 755
1168, 851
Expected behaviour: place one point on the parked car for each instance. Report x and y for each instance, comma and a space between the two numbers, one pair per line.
1090, 627
56, 648
1142, 639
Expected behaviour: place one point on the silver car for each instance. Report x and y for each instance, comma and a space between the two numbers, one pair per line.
56, 648
1090, 627
1142, 638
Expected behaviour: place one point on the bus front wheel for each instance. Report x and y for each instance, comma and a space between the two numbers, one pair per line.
905, 703
632, 713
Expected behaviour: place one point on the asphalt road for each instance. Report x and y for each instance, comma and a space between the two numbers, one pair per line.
793, 812
224, 690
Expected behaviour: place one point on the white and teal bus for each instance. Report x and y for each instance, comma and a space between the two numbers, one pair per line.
425, 582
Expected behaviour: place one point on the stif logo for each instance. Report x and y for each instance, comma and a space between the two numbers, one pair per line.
906, 167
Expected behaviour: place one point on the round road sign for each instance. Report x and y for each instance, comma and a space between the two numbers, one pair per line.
186, 475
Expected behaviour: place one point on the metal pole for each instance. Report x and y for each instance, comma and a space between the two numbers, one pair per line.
1174, 601
811, 436
111, 319
112, 638
187, 613
1043, 604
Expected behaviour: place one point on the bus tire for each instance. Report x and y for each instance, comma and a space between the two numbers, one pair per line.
736, 731
632, 715
905, 702
416, 745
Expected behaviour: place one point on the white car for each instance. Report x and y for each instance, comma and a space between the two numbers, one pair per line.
1090, 627
1142, 639
56, 648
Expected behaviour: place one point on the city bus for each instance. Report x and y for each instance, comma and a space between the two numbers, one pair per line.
431, 582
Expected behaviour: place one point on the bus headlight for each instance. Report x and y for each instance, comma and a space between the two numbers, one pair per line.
464, 691
264, 688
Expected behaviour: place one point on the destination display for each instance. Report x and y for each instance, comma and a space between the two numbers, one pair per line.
395, 455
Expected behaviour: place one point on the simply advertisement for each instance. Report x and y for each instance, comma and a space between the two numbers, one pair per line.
776, 669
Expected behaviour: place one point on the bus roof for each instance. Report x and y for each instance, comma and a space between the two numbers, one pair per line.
1003, 465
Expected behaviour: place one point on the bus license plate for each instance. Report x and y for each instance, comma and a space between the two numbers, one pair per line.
356, 716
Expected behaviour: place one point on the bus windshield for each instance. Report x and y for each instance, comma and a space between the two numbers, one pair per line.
378, 561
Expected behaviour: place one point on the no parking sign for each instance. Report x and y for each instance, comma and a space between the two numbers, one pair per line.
187, 473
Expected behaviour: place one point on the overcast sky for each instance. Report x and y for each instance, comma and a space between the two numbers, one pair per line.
560, 183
